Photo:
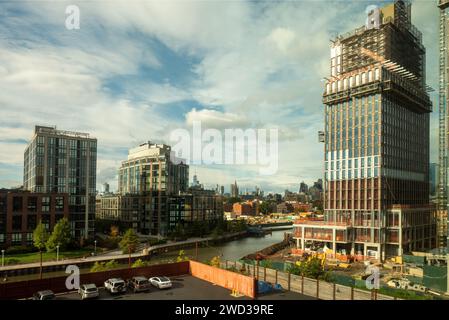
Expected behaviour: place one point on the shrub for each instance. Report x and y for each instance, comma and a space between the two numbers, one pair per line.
215, 262
111, 265
182, 256
98, 267
11, 261
104, 266
139, 264
20, 249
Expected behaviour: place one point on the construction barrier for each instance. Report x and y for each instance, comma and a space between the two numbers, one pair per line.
344, 290
435, 277
25, 289
233, 281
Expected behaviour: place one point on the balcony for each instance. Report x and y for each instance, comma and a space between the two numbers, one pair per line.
321, 223
393, 238
362, 239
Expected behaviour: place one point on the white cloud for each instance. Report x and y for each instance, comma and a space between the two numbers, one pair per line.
282, 38
255, 65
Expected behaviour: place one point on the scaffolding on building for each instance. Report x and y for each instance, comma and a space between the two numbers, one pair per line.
443, 127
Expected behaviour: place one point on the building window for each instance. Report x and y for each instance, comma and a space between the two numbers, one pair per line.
45, 204
31, 222
32, 204
17, 222
59, 204
16, 238
17, 204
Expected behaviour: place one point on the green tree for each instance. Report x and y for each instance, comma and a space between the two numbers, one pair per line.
179, 232
182, 256
60, 236
311, 268
215, 262
129, 243
40, 237
266, 207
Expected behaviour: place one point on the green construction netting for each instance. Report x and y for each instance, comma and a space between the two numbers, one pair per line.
413, 259
435, 278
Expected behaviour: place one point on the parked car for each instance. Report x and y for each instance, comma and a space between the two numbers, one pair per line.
161, 282
44, 295
87, 291
139, 284
115, 285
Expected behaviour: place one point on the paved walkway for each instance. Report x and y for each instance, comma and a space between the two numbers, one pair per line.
115, 255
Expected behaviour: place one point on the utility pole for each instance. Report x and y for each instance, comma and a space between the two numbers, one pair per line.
196, 251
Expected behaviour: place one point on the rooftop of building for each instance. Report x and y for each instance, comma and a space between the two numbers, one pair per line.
155, 151
52, 130
397, 13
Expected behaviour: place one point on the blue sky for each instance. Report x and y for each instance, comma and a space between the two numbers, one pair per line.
137, 70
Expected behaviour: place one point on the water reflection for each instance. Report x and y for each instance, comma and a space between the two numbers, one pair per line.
232, 250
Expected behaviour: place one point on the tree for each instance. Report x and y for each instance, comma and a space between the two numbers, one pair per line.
179, 231
40, 237
60, 236
182, 256
313, 267
215, 262
129, 243
114, 231
266, 207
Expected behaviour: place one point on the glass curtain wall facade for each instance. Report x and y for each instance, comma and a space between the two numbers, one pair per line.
376, 199
64, 162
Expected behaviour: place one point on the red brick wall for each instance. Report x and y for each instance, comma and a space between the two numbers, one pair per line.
25, 289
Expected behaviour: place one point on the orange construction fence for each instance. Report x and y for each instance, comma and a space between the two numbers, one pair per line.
224, 278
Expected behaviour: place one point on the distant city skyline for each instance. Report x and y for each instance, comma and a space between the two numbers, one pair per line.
246, 65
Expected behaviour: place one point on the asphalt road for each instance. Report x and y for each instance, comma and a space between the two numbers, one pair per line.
186, 288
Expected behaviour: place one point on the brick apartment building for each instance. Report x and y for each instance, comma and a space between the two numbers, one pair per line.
21, 211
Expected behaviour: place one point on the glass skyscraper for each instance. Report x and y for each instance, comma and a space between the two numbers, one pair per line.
376, 178
57, 161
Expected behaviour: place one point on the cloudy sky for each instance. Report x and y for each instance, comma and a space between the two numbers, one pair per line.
137, 70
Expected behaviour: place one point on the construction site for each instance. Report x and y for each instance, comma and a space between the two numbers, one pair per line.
377, 212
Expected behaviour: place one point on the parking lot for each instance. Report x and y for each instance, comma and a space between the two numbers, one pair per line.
186, 288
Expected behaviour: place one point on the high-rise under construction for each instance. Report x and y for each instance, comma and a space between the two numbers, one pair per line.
443, 125
377, 113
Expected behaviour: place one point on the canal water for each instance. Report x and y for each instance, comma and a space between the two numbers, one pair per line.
232, 250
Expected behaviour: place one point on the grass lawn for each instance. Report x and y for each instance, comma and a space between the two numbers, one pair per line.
46, 256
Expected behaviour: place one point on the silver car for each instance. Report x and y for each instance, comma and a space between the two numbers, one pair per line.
115, 285
161, 282
88, 291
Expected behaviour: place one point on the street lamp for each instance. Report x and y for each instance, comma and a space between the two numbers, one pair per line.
57, 252
95, 247
3, 257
